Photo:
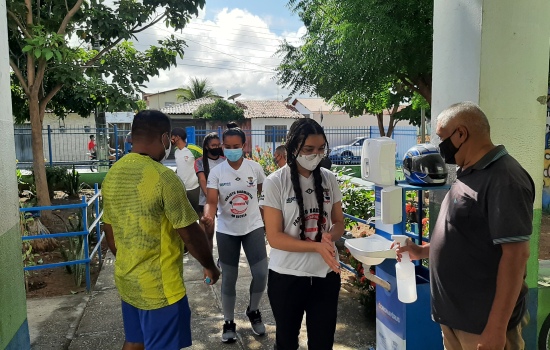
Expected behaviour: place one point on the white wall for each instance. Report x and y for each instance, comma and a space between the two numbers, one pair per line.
258, 127
456, 55
338, 119
159, 100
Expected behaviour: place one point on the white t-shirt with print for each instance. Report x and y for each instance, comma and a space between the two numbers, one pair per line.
238, 206
278, 193
185, 166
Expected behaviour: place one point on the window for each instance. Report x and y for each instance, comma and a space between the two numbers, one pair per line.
87, 128
275, 133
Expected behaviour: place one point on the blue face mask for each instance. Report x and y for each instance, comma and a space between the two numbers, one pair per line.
233, 155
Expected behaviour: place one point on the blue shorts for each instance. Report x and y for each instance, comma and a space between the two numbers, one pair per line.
167, 328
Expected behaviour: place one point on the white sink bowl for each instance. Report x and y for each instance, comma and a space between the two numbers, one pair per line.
371, 250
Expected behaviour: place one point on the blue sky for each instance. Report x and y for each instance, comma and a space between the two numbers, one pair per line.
275, 11
233, 45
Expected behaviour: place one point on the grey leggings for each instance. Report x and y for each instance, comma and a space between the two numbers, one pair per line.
229, 250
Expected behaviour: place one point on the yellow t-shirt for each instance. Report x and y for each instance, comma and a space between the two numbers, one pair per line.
145, 202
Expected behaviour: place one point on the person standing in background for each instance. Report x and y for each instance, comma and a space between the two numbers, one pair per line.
212, 156
92, 147
233, 190
185, 167
280, 156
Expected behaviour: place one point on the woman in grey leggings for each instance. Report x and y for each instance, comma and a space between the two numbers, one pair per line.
233, 188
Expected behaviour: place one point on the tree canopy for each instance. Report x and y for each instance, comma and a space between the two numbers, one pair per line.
198, 88
361, 54
220, 110
76, 55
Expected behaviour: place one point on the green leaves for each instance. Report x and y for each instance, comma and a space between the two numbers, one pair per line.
198, 88
220, 110
354, 49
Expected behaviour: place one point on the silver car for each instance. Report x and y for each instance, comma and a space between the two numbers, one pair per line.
349, 153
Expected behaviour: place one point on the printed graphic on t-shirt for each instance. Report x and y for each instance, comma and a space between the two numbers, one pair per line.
310, 218
239, 203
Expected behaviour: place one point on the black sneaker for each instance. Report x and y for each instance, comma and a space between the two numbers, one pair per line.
229, 334
255, 318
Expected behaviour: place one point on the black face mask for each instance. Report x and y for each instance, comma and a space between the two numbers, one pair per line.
448, 150
215, 152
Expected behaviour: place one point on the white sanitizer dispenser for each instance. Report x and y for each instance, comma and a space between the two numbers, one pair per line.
378, 161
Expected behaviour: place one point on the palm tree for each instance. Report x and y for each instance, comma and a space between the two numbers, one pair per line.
198, 88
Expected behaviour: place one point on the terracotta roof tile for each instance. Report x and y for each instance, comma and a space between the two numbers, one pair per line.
268, 109
188, 107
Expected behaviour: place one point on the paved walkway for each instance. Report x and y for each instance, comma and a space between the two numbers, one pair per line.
63, 325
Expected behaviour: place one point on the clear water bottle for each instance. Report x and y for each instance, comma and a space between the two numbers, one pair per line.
405, 274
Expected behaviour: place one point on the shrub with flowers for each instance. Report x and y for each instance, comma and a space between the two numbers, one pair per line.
264, 157
411, 211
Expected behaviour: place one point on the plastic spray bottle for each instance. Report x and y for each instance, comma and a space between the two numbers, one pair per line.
405, 274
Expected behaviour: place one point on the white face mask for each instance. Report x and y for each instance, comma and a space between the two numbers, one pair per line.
310, 161
166, 150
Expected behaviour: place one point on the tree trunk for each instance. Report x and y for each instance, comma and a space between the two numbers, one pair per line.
380, 120
38, 162
391, 124
425, 88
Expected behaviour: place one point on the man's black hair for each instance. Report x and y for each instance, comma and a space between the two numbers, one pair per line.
92, 136
180, 132
150, 124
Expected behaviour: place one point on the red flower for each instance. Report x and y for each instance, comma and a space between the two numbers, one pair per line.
425, 221
363, 280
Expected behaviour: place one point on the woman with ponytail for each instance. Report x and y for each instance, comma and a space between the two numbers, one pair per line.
212, 155
303, 218
232, 190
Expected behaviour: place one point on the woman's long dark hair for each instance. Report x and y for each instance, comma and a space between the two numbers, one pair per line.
205, 148
297, 135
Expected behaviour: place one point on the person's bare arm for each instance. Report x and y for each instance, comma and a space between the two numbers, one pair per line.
110, 238
202, 181
282, 241
195, 239
511, 270
260, 188
211, 206
337, 218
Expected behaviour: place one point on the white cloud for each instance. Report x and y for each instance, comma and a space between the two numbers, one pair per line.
240, 45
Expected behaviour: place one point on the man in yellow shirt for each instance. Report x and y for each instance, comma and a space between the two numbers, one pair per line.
147, 222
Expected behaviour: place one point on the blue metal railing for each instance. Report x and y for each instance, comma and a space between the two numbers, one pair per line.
85, 232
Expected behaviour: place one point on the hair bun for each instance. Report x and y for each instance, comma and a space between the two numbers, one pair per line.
232, 125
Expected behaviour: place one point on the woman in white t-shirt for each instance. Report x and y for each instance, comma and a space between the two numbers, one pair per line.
233, 188
303, 263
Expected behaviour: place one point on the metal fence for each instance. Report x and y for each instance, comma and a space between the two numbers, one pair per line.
63, 146
69, 145
85, 233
